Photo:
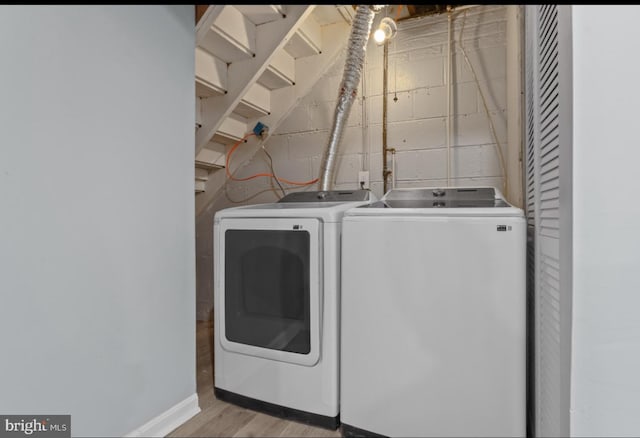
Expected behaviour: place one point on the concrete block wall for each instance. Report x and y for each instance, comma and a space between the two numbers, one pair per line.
416, 115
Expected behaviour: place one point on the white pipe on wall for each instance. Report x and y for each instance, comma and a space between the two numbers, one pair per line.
366, 159
449, 13
393, 168
515, 109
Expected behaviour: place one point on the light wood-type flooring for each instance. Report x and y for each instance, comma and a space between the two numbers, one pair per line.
221, 419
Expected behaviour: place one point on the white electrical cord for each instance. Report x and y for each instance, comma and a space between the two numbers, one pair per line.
486, 108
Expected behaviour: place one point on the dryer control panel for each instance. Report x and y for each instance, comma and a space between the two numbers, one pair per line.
328, 196
478, 197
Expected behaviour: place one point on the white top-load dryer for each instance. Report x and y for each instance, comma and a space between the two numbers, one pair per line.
433, 323
276, 304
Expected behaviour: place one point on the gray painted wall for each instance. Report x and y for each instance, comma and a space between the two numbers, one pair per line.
97, 265
606, 299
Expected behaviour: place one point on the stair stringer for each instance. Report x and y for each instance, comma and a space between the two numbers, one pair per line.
270, 37
334, 40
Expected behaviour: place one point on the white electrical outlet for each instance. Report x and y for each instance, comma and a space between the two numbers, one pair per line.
363, 179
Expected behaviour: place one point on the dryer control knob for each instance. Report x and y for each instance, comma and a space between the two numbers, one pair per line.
438, 193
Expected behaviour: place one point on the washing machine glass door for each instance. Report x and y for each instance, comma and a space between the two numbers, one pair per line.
269, 290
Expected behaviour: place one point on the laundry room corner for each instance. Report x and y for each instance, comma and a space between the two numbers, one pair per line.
451, 87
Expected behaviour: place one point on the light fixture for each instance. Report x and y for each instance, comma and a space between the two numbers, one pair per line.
386, 31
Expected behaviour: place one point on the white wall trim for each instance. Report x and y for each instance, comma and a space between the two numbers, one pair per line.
170, 419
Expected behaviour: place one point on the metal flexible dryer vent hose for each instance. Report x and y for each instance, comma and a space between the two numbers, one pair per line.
357, 47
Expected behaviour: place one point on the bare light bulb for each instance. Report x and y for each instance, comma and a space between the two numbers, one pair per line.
379, 36
386, 31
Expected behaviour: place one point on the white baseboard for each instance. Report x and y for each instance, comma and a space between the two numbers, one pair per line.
167, 421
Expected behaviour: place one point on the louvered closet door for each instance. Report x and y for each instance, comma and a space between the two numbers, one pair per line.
548, 175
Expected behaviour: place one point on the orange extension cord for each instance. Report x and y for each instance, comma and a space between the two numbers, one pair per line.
270, 175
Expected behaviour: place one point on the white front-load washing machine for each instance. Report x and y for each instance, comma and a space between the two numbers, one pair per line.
276, 305
433, 321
